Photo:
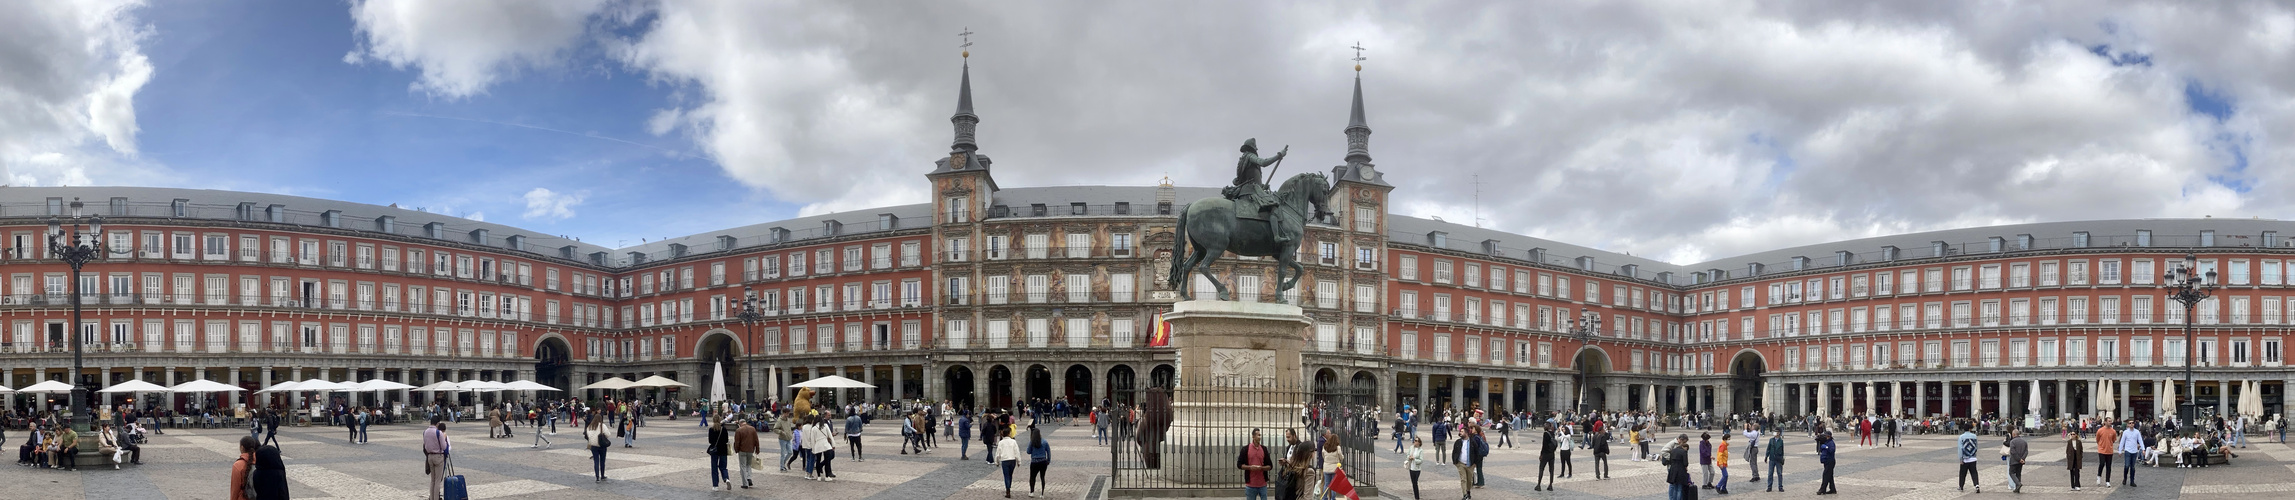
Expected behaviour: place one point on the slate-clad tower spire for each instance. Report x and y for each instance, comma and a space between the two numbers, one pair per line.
964, 119
1358, 133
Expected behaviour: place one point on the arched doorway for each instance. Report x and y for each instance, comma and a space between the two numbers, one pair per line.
1592, 365
552, 363
717, 349
1161, 376
1123, 384
1039, 383
1363, 386
1745, 387
1079, 386
1326, 384
958, 380
1000, 386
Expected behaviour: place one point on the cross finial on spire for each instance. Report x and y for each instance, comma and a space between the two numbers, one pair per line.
1358, 56
967, 37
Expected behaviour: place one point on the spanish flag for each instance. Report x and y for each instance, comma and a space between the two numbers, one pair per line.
1162, 335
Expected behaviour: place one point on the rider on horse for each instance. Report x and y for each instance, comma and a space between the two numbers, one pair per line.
1250, 188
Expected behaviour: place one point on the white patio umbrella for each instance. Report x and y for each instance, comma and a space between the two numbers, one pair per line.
379, 385
717, 381
288, 386
484, 386
204, 385
529, 385
321, 386
51, 386
657, 381
440, 386
133, 386
610, 383
833, 382
5, 390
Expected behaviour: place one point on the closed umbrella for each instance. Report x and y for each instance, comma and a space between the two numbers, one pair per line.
2107, 405
717, 381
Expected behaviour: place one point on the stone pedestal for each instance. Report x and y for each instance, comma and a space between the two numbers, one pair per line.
1239, 368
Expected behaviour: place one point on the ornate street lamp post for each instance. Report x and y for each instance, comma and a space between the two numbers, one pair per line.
77, 248
1585, 327
749, 317
2186, 285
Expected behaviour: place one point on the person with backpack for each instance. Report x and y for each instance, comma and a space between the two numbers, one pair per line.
1441, 439
243, 469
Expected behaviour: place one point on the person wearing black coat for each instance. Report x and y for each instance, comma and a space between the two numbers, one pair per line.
1677, 469
270, 474
1601, 440
1546, 470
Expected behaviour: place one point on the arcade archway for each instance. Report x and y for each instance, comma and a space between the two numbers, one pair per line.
1000, 387
1079, 380
1039, 383
553, 363
1745, 387
1593, 365
716, 349
958, 380
1123, 384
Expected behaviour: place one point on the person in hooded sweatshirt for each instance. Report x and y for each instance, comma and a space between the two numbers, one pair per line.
270, 474
1546, 470
1967, 444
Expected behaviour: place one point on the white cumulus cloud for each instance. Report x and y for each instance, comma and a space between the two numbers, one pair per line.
69, 72
542, 203
462, 48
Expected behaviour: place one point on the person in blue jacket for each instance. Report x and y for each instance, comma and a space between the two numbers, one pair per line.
1825, 457
1039, 459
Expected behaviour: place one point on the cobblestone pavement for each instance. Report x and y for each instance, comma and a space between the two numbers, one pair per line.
668, 464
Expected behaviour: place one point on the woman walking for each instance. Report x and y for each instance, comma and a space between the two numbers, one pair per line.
241, 485
2072, 456
270, 474
1008, 455
824, 448
1039, 459
1562, 449
720, 446
595, 437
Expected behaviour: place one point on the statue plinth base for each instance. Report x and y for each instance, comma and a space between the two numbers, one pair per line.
1239, 369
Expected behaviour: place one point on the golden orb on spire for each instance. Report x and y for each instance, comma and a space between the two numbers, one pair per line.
968, 55
1358, 68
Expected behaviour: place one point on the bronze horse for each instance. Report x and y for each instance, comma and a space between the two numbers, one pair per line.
1211, 227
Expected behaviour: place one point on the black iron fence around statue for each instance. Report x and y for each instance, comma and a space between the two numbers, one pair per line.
1186, 442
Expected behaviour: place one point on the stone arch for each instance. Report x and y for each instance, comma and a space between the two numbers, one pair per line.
1607, 362
1746, 390
553, 362
740, 345
958, 379
1364, 388
718, 346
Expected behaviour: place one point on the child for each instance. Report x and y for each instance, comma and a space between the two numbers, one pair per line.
1721, 461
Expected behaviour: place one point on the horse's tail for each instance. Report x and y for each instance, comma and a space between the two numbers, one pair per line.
1178, 250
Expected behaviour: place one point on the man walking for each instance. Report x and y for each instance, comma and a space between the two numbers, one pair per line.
1546, 470
435, 448
2106, 439
2131, 449
745, 448
2017, 449
1463, 458
1825, 448
1967, 444
1776, 456
853, 435
1753, 450
1601, 440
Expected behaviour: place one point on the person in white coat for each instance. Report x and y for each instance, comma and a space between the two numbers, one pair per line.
819, 443
1008, 456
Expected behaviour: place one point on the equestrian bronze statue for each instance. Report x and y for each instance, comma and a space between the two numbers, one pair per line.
1238, 224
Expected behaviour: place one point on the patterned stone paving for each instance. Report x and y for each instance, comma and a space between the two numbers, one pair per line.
668, 464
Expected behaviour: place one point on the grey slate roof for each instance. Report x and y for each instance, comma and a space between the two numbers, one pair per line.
223, 205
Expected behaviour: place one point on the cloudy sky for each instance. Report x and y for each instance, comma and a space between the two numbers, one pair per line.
1681, 131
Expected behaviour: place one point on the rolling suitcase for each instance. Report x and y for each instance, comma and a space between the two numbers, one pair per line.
456, 488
